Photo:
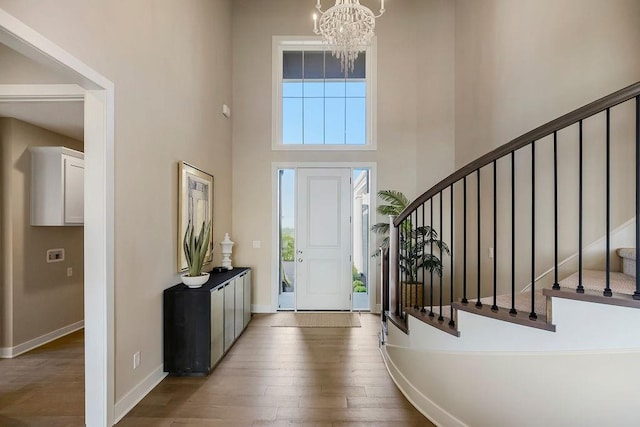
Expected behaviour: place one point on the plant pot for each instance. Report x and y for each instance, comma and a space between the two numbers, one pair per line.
195, 281
411, 294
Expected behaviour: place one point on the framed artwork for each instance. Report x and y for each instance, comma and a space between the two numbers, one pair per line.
195, 204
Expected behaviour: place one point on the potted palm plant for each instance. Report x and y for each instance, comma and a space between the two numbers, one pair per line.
195, 251
418, 245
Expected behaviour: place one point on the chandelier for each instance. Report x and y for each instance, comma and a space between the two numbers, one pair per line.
347, 28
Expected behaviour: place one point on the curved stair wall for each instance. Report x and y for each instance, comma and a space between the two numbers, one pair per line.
502, 374
516, 388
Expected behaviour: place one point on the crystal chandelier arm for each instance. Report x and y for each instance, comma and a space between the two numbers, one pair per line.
381, 9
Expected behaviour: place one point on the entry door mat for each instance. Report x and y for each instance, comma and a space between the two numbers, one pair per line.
317, 320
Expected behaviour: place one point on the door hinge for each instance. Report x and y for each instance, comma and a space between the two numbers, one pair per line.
349, 297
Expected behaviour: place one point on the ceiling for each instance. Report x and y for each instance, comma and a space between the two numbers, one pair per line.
62, 117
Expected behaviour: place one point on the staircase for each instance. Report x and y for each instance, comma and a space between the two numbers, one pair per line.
492, 340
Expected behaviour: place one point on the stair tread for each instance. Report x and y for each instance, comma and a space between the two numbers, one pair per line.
595, 280
628, 253
591, 280
522, 302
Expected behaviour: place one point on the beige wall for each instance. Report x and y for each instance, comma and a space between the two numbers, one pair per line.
521, 64
18, 69
42, 297
518, 66
170, 63
415, 63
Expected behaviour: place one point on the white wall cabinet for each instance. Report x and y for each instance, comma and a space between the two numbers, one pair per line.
57, 186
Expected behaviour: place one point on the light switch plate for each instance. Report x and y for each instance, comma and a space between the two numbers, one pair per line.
256, 244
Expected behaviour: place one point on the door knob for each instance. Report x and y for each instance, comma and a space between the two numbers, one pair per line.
299, 259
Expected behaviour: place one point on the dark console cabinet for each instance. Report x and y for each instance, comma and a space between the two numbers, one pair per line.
200, 325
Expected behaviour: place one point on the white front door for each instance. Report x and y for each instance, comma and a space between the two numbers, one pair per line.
323, 250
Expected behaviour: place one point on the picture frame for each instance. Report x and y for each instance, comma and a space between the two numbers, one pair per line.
195, 204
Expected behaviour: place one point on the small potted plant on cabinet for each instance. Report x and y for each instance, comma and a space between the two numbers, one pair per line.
195, 252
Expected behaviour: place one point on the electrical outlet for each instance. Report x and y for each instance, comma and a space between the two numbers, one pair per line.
256, 244
69, 271
136, 359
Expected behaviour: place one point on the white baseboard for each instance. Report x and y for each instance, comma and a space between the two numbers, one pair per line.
11, 352
435, 413
256, 308
137, 393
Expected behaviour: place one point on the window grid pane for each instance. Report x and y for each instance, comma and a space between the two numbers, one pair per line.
320, 105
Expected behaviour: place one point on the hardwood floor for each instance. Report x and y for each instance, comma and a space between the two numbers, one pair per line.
44, 387
275, 377
272, 377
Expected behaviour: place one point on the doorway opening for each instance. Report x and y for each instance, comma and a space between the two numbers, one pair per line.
78, 80
303, 275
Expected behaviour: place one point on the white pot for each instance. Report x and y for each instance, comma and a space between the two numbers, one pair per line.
195, 281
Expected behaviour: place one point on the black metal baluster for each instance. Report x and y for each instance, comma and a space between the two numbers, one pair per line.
494, 307
413, 256
424, 294
440, 318
607, 290
398, 289
431, 314
452, 323
410, 273
403, 247
556, 285
464, 241
513, 234
407, 277
533, 315
478, 303
580, 288
636, 294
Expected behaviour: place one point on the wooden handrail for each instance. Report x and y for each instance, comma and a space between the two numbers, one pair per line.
547, 129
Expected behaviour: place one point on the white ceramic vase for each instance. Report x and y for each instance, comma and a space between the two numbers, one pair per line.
195, 281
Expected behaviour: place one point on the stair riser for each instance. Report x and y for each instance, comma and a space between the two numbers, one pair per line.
629, 267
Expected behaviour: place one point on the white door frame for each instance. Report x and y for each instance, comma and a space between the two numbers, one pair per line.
275, 271
98, 95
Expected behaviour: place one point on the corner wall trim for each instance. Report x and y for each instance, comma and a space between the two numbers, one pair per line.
137, 393
11, 352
